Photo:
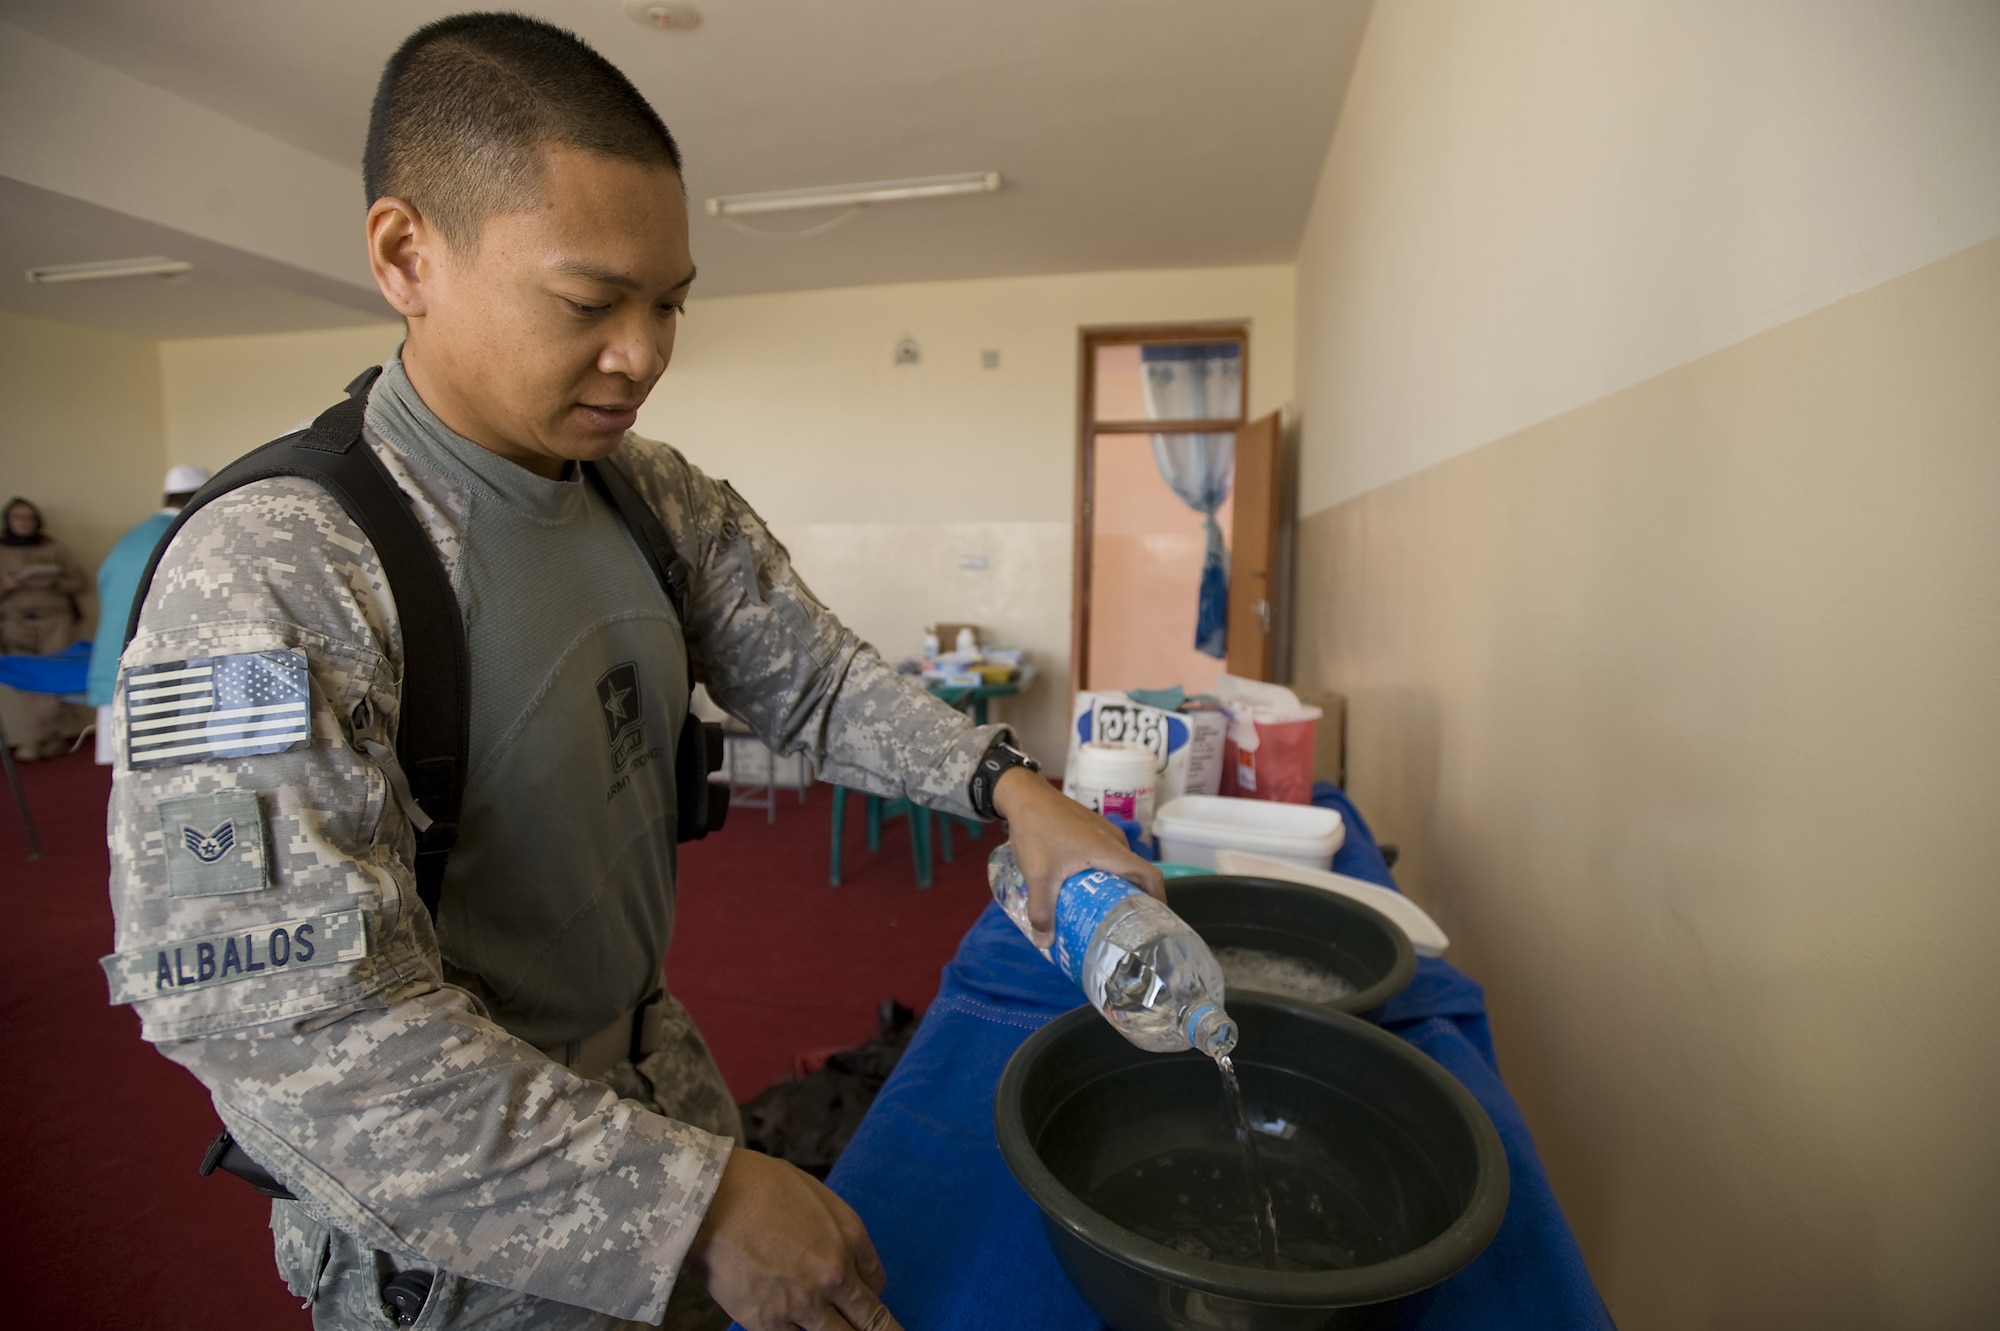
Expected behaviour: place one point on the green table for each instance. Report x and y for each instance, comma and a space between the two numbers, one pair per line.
972, 698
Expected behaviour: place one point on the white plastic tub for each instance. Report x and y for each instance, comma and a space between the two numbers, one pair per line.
1114, 779
1189, 830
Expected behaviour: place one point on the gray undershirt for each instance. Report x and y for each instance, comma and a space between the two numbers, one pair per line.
559, 899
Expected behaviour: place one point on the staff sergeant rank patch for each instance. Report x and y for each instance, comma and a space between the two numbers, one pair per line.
214, 844
263, 950
217, 707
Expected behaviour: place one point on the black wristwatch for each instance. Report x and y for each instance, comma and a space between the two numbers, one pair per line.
995, 763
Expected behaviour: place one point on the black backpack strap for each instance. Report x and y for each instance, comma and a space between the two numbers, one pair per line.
645, 526
434, 717
701, 805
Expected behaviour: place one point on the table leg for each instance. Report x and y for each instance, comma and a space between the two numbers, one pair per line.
920, 842
20, 796
839, 817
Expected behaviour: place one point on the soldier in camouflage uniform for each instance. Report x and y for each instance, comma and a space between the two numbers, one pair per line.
501, 1097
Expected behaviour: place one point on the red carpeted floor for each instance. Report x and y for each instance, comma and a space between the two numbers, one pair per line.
107, 1223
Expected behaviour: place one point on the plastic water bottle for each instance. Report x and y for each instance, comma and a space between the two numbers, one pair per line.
1136, 961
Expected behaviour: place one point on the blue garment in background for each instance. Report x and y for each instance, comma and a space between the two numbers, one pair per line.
964, 1246
117, 581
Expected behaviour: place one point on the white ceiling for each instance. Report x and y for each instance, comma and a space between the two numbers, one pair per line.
228, 291
1131, 133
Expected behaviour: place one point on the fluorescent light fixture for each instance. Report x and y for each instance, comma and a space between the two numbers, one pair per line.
155, 266
853, 196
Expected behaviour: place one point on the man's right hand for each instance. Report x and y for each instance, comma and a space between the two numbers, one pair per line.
778, 1250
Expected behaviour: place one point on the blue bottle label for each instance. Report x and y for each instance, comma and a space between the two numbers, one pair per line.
1081, 906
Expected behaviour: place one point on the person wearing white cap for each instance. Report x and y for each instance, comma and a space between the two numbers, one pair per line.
117, 579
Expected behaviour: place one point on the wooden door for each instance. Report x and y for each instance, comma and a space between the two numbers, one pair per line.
1104, 415
1253, 562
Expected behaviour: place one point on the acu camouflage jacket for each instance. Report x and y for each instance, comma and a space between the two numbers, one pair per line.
310, 997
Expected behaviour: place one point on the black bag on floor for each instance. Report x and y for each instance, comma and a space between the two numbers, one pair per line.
809, 1120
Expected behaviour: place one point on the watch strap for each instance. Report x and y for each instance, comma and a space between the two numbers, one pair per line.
999, 759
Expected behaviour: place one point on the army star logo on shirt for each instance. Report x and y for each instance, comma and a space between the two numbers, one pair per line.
624, 723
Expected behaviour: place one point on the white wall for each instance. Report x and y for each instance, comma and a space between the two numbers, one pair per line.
879, 477
794, 396
1529, 205
82, 129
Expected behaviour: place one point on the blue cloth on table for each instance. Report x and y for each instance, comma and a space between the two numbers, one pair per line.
62, 673
964, 1246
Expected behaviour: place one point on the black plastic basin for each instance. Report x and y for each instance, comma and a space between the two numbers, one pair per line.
1412, 1171
1355, 941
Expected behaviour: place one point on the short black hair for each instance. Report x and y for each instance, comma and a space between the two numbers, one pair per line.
467, 104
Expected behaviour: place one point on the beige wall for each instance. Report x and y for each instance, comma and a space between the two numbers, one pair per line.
1682, 707
1648, 456
879, 477
81, 433
223, 396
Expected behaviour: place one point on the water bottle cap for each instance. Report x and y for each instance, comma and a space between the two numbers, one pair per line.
1210, 1030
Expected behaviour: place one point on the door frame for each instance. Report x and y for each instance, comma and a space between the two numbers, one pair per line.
1089, 339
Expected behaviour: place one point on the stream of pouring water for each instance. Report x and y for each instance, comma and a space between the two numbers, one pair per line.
1260, 1195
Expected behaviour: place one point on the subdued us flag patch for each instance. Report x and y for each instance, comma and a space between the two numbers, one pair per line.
217, 707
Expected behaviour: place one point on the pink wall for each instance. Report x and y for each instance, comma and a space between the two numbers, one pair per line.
1145, 568
1121, 384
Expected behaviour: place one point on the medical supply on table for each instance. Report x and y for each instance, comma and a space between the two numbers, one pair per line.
1268, 753
1137, 962
1186, 741
1115, 779
1191, 829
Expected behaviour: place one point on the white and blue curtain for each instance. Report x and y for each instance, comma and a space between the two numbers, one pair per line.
1199, 382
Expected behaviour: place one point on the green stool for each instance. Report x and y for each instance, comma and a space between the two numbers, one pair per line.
879, 808
945, 820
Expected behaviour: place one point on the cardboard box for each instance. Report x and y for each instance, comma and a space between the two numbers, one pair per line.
1187, 745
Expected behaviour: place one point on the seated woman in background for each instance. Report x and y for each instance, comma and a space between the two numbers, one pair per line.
38, 617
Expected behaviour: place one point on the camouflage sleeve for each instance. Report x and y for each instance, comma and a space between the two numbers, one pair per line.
774, 657
269, 935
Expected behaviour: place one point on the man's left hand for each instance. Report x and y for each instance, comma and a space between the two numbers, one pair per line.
1055, 837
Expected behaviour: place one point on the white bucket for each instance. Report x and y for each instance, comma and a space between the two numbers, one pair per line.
1191, 829
1114, 779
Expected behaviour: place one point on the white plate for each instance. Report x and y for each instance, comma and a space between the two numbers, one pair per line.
1423, 931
